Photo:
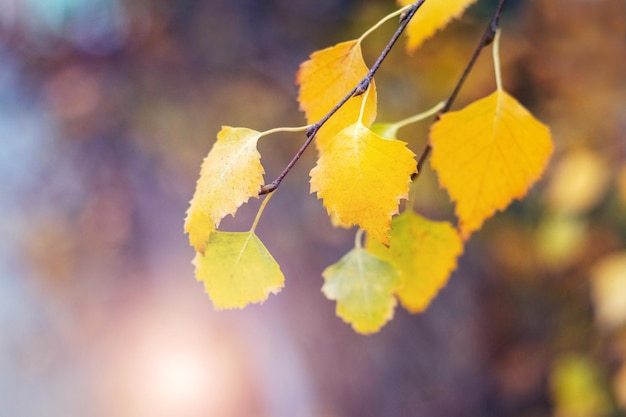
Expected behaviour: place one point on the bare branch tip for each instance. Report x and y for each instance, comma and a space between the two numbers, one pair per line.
268, 188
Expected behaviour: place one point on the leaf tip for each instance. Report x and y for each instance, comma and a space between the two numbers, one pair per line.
199, 229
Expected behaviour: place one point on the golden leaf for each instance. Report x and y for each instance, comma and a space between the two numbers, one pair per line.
424, 252
361, 177
325, 79
430, 17
488, 154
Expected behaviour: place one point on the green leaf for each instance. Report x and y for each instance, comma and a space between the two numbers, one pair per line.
363, 286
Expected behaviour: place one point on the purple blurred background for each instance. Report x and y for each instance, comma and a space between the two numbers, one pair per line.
107, 108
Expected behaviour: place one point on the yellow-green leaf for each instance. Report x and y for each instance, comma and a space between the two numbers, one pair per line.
325, 79
488, 154
237, 270
361, 177
424, 252
363, 286
230, 174
430, 17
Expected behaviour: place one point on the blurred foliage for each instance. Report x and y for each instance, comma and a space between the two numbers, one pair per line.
577, 388
107, 108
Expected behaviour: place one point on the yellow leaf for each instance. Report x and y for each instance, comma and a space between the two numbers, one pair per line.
237, 269
488, 154
424, 252
361, 177
363, 286
430, 17
230, 174
325, 79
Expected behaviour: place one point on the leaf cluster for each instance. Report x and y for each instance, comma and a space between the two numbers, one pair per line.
485, 155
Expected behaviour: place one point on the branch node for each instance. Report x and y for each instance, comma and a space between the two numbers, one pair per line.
404, 15
489, 36
268, 188
362, 87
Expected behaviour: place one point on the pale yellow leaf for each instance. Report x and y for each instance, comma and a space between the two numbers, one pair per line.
237, 270
608, 285
424, 252
488, 154
230, 174
363, 286
430, 17
325, 79
361, 178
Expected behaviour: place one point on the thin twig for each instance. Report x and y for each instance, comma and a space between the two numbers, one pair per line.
486, 39
360, 88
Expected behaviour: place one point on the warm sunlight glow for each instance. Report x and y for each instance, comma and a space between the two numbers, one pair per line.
174, 368
180, 379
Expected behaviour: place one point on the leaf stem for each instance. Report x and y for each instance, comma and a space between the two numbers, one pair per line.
362, 111
410, 201
496, 59
485, 40
284, 129
360, 88
358, 239
381, 22
258, 214
420, 116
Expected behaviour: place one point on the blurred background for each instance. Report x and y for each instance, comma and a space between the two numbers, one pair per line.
107, 108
